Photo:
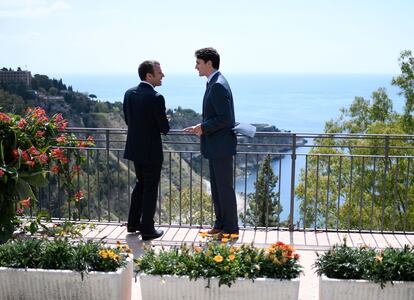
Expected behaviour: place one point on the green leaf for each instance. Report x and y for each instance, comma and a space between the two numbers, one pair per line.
2, 153
24, 190
37, 179
33, 228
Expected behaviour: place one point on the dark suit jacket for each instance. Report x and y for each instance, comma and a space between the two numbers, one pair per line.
144, 111
218, 139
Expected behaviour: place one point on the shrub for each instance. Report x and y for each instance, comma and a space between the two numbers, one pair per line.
223, 261
344, 262
61, 254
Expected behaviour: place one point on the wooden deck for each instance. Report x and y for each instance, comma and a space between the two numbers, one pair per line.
301, 240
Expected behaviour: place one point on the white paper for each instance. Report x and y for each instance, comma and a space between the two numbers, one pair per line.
245, 129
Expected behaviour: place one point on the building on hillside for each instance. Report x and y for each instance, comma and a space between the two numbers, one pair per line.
9, 76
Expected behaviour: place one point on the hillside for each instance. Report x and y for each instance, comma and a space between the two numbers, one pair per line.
84, 110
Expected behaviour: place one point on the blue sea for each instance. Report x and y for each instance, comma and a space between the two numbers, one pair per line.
299, 103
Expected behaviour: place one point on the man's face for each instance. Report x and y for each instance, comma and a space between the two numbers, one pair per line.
156, 79
204, 69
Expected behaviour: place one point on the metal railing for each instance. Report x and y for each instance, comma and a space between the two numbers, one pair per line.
323, 181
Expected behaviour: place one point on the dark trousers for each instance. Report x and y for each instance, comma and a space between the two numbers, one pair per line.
222, 192
144, 196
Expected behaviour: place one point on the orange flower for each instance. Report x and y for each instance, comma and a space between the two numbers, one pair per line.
234, 236
224, 240
226, 235
378, 259
232, 250
232, 257
296, 256
198, 249
25, 202
203, 234
218, 258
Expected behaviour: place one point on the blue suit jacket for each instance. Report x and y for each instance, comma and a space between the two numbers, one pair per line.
218, 139
144, 111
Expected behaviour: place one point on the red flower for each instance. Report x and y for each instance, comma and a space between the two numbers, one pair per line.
81, 144
40, 133
1, 173
39, 112
25, 202
26, 156
32, 150
4, 118
58, 153
61, 139
42, 158
22, 123
76, 168
15, 153
31, 163
78, 196
54, 169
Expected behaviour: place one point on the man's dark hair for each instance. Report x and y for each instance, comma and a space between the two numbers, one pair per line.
207, 54
146, 67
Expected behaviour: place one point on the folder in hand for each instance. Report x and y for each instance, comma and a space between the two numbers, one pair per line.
245, 129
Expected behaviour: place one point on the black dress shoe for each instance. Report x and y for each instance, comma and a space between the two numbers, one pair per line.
133, 229
152, 235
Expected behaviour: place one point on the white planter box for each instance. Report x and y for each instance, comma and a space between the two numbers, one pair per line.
154, 287
39, 284
342, 289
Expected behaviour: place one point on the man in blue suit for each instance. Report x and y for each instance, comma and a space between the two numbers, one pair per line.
144, 111
218, 141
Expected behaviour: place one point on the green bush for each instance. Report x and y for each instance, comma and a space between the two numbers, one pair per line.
223, 261
61, 254
380, 266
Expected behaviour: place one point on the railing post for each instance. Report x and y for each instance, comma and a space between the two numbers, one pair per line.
292, 184
384, 189
108, 180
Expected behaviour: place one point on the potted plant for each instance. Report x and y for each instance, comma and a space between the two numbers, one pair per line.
365, 273
220, 270
31, 146
59, 269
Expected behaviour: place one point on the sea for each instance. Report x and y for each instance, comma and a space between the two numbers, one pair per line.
300, 103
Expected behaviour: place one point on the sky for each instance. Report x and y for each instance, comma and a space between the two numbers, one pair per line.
261, 36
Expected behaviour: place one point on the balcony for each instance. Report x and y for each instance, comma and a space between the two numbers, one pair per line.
329, 186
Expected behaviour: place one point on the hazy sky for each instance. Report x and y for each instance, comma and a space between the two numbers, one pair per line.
107, 36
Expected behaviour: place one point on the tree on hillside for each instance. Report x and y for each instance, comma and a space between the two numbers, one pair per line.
11, 103
264, 205
363, 183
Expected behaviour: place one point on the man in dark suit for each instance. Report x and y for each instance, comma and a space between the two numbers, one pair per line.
144, 111
218, 141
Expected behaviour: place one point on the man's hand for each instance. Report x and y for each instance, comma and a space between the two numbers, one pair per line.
196, 129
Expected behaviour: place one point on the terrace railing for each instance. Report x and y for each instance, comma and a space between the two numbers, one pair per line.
324, 181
